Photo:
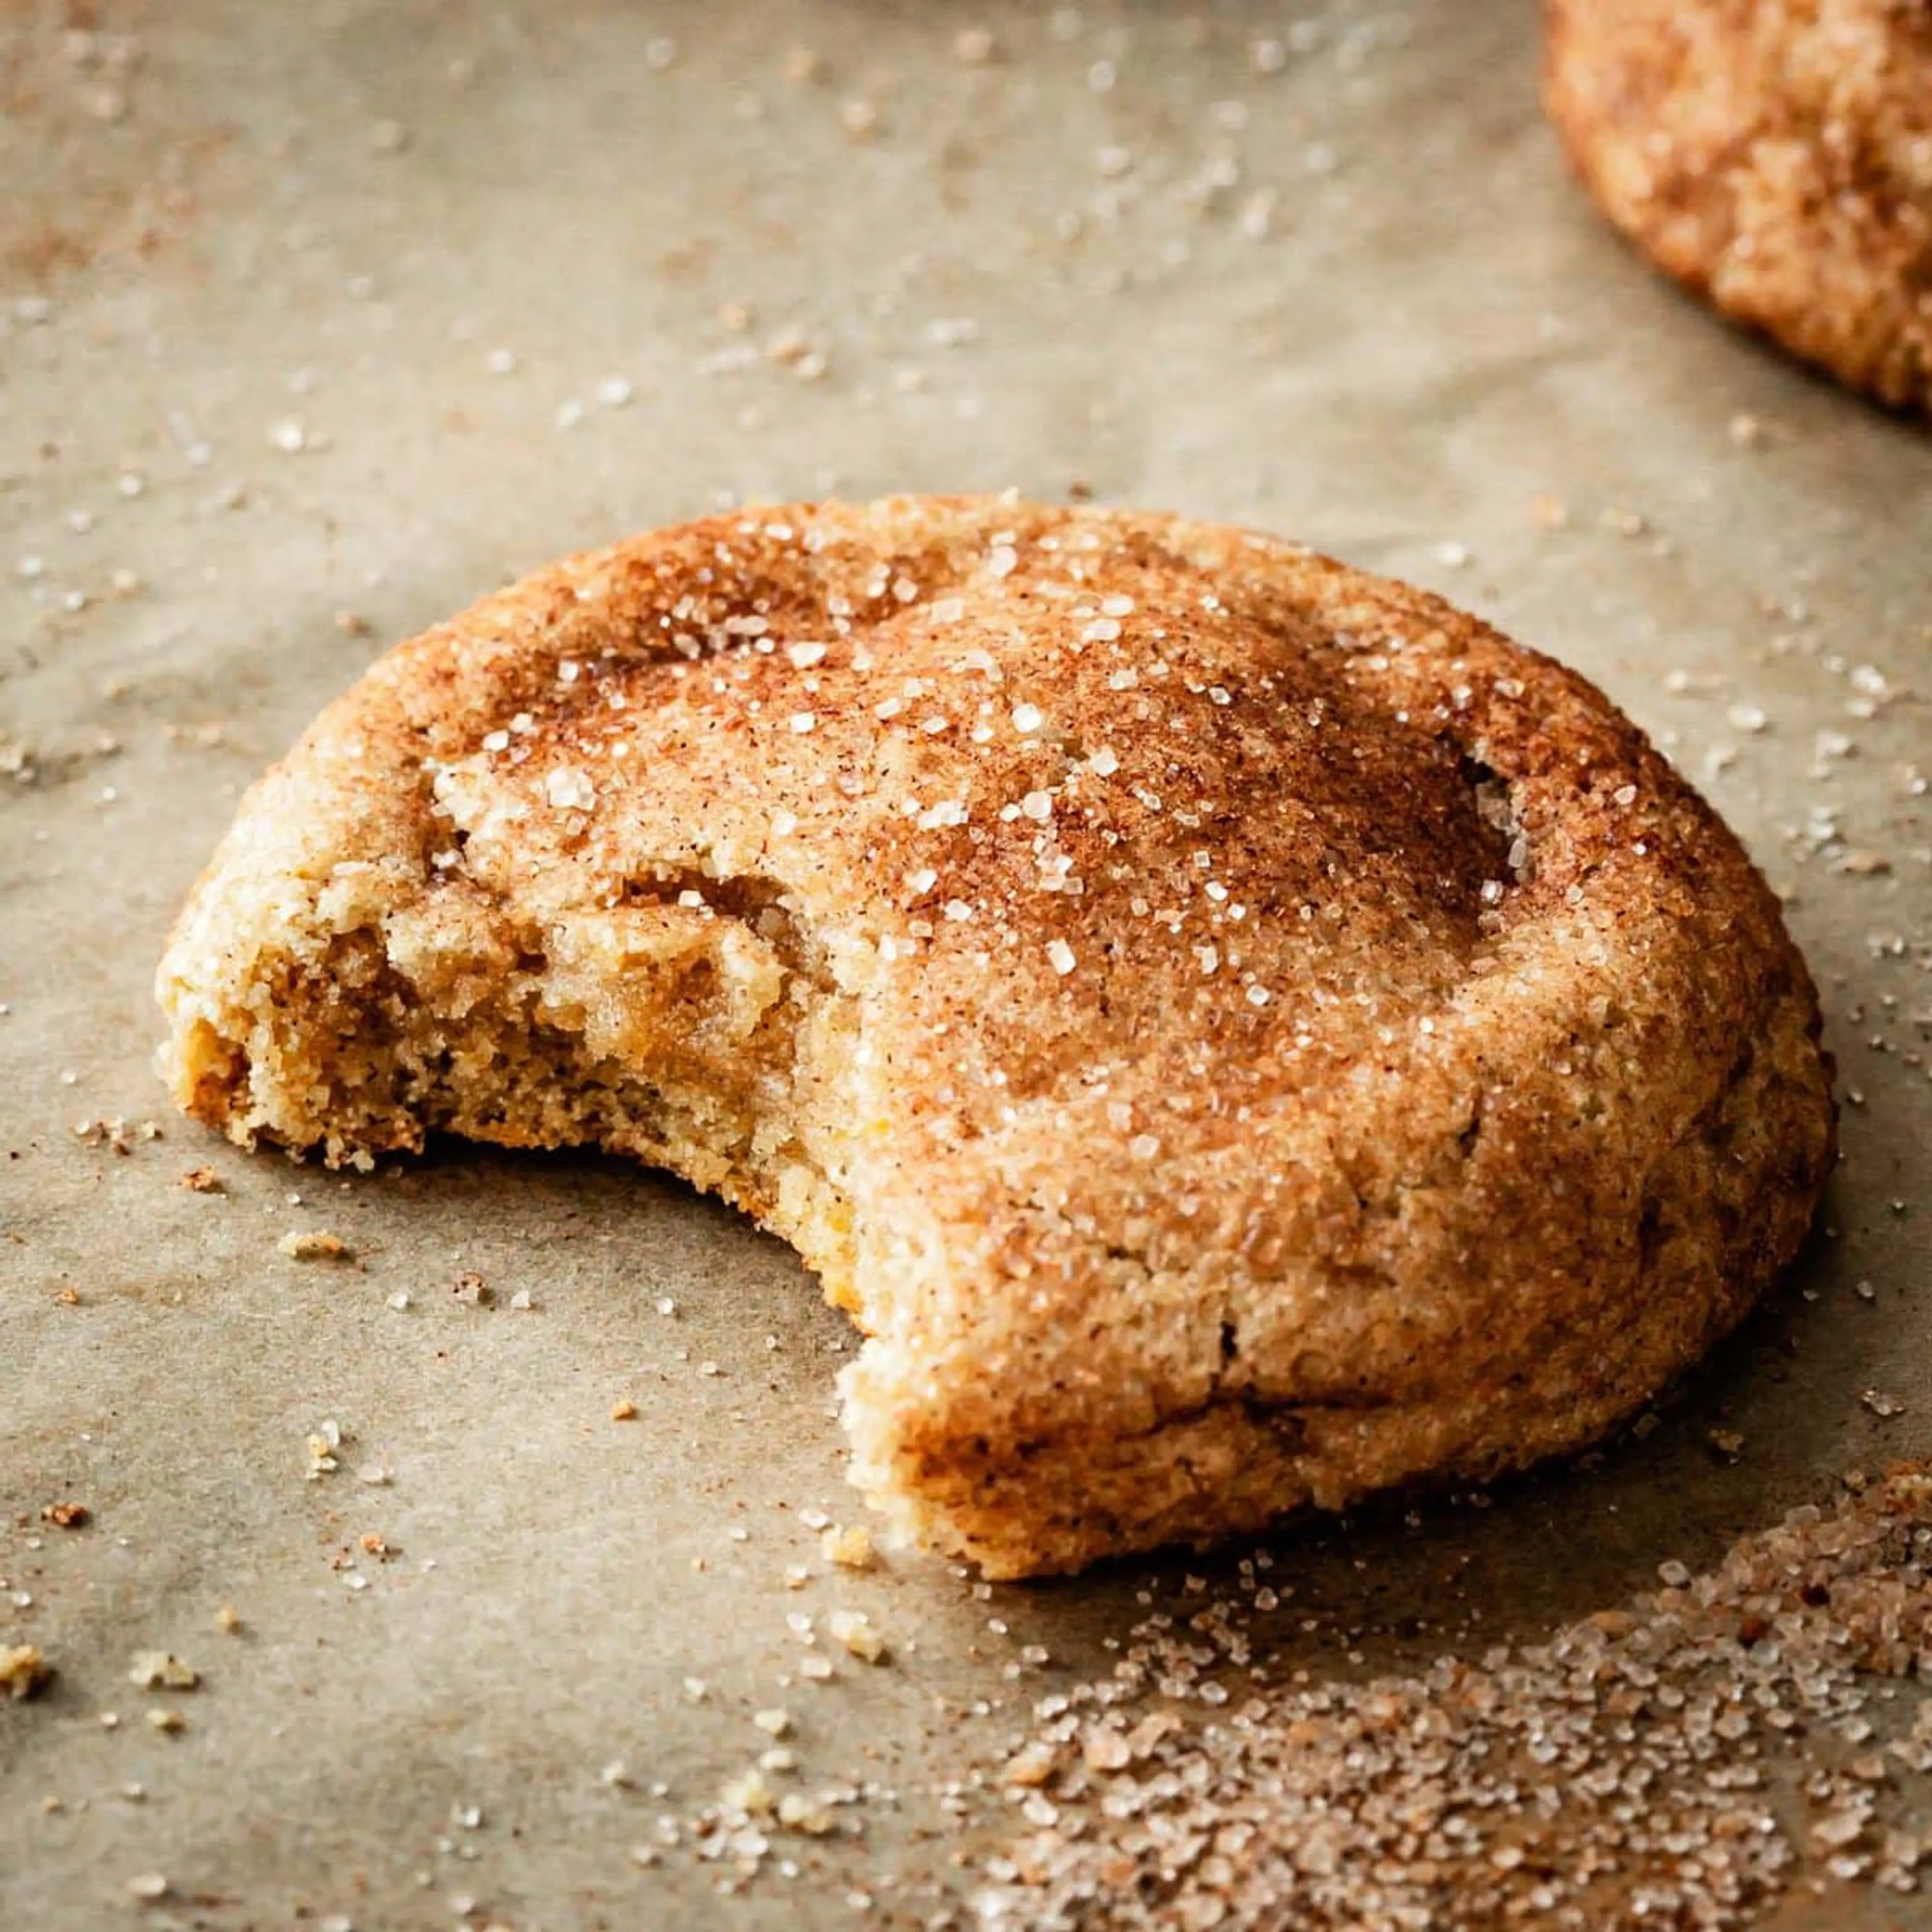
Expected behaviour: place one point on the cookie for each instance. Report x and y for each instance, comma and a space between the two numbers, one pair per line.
1776, 156
1235, 1033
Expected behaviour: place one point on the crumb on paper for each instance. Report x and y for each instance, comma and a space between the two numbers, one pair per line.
313, 1244
856, 1630
202, 1180
1031, 1765
24, 1671
324, 1441
798, 1812
747, 1793
66, 1515
161, 1670
849, 1548
624, 1410
1863, 862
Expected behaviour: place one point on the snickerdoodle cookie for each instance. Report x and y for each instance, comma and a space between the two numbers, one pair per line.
1235, 1032
1776, 155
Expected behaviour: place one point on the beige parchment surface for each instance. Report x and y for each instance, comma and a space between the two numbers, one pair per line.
317, 322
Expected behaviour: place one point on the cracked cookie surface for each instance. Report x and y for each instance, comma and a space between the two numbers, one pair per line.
1237, 1033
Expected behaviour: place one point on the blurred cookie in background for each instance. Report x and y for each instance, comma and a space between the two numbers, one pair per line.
1774, 155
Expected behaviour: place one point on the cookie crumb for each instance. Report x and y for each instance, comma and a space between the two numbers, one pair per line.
797, 1812
747, 1793
314, 1244
850, 1549
322, 1444
161, 1670
24, 1671
855, 1631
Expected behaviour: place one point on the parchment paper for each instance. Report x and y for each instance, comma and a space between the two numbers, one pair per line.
316, 322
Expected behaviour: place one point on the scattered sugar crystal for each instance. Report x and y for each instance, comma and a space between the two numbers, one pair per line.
569, 789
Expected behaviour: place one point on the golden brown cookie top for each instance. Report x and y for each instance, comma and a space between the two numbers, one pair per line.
1152, 780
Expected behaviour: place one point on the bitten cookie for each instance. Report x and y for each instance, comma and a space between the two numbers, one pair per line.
1776, 155
1237, 1033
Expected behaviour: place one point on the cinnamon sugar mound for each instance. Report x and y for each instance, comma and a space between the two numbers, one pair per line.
1685, 1762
